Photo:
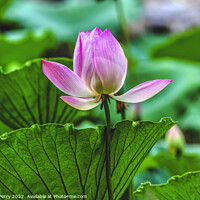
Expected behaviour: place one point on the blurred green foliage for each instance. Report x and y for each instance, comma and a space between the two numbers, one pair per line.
172, 164
159, 165
19, 46
65, 19
179, 98
181, 46
3, 6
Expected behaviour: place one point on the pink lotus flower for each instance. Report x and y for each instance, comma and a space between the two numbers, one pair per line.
100, 67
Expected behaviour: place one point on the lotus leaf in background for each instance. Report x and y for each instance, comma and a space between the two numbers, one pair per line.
177, 187
65, 19
173, 165
27, 97
16, 47
181, 46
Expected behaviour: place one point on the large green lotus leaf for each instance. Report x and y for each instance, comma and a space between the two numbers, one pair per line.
184, 46
65, 19
18, 47
28, 97
173, 165
57, 159
178, 187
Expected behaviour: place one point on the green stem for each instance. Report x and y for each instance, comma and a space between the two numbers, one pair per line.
130, 191
108, 141
130, 188
122, 21
123, 114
